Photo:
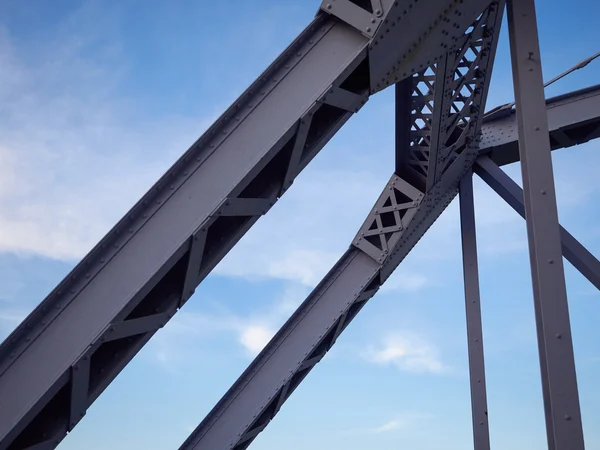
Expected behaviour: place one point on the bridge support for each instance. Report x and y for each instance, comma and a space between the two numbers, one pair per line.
557, 361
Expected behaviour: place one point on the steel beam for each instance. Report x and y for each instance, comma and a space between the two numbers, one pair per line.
256, 397
399, 218
64, 354
511, 192
557, 362
481, 430
573, 119
149, 264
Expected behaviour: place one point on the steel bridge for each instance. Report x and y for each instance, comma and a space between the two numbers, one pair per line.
439, 56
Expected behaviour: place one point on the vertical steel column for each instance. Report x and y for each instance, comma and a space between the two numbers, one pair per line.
557, 362
403, 93
481, 431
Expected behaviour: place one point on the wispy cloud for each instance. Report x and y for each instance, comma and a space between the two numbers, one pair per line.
63, 115
251, 331
12, 316
406, 421
405, 280
9, 319
308, 230
408, 352
255, 337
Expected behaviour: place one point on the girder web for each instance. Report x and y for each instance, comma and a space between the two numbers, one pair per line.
445, 103
468, 74
183, 227
423, 85
402, 214
440, 54
444, 100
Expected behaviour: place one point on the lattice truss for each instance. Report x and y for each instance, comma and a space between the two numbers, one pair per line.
445, 101
445, 97
63, 356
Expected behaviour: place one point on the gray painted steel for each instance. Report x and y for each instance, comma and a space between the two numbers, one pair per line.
573, 119
511, 192
557, 362
148, 250
481, 429
256, 397
70, 348
399, 218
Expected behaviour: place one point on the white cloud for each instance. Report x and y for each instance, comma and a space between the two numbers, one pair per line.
408, 352
293, 295
9, 319
255, 337
12, 317
252, 331
58, 138
401, 422
405, 280
83, 153
392, 425
75, 153
406, 421
308, 230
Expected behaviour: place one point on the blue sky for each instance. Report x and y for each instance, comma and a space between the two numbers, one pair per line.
98, 98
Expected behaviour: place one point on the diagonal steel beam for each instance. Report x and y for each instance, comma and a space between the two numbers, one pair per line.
401, 216
152, 260
584, 261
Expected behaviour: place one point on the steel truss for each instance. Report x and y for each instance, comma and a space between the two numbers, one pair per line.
439, 55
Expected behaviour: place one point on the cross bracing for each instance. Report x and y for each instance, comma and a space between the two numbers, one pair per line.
439, 55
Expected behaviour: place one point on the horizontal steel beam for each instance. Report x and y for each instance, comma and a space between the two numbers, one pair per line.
573, 119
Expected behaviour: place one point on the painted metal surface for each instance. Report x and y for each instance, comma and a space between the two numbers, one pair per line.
557, 361
440, 56
479, 408
581, 258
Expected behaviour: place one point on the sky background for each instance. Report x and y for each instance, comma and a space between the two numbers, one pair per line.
99, 98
